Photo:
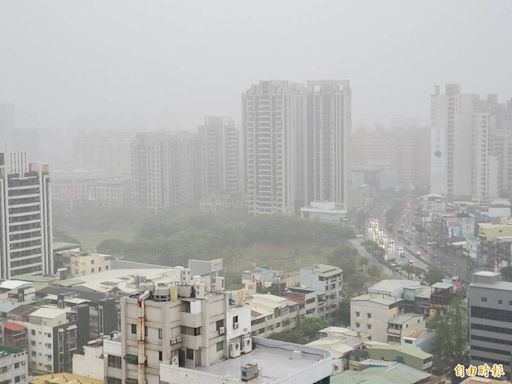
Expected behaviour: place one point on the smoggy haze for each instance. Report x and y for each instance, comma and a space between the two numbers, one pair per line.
164, 64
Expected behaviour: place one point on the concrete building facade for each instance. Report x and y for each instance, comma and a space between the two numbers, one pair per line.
26, 225
273, 120
13, 366
490, 319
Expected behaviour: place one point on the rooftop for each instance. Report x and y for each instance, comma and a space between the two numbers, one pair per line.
6, 351
341, 331
64, 378
12, 284
7, 305
338, 346
377, 298
390, 285
324, 270
442, 285
274, 358
122, 279
404, 317
48, 313
411, 351
380, 372
500, 285
14, 327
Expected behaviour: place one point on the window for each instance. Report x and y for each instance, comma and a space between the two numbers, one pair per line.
358, 325
33, 332
484, 299
500, 301
16, 365
114, 361
113, 380
160, 355
408, 341
159, 333
134, 329
17, 379
369, 315
357, 314
219, 324
146, 331
220, 346
369, 326
235, 319
190, 354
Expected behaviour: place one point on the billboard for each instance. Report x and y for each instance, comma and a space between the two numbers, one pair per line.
460, 227
437, 158
437, 161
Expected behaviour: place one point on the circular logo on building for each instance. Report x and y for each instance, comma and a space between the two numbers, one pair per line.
437, 154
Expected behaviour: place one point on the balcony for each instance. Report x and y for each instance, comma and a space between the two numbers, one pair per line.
191, 319
192, 342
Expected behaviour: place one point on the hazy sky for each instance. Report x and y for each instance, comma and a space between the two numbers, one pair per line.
156, 64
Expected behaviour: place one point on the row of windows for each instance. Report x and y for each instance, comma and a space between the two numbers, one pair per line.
500, 301
489, 361
491, 340
491, 314
490, 350
490, 328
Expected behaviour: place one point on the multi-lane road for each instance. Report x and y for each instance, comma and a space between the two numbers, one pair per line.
403, 247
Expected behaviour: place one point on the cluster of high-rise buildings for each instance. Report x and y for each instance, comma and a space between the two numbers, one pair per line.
293, 149
471, 145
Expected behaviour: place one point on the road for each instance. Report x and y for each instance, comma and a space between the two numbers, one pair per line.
444, 260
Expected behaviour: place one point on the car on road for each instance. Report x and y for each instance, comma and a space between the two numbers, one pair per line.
418, 253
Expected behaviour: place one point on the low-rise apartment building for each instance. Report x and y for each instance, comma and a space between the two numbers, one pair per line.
183, 323
411, 356
371, 313
13, 365
272, 314
327, 280
403, 325
86, 263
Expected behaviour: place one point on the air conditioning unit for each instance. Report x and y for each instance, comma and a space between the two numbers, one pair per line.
175, 360
246, 344
173, 341
179, 339
222, 330
234, 349
235, 325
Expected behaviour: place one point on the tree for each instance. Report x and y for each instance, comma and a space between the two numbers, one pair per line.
433, 275
111, 246
306, 332
311, 325
452, 333
343, 313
